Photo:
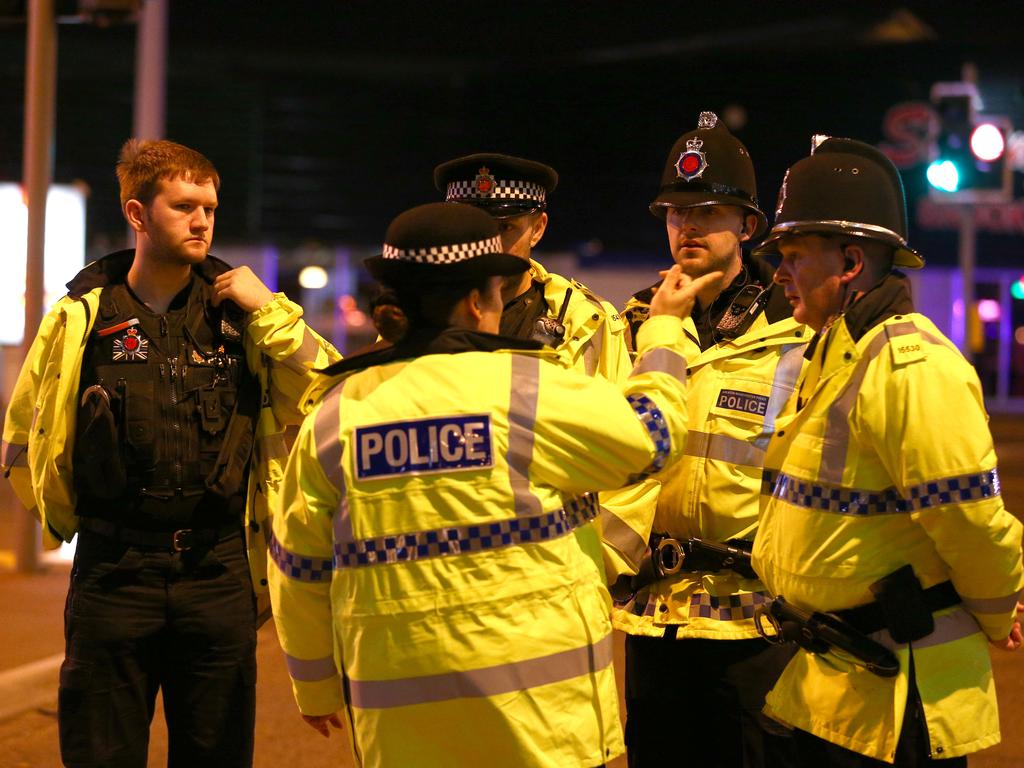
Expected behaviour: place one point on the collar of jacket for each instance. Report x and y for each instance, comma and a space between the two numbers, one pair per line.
755, 269
890, 297
450, 341
113, 269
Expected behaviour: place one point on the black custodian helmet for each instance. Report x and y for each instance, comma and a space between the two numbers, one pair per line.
709, 166
845, 187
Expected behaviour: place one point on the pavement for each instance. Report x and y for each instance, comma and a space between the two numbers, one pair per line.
32, 643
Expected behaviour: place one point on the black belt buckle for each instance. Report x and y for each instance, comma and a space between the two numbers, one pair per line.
181, 540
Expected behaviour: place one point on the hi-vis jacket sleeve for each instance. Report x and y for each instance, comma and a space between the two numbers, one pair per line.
301, 553
945, 465
21, 415
294, 350
591, 434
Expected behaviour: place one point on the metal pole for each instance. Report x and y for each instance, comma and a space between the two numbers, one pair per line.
151, 71
968, 240
40, 99
150, 105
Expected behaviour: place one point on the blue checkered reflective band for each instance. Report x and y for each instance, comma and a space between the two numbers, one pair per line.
656, 425
853, 501
299, 567
424, 446
952, 490
726, 608
466, 539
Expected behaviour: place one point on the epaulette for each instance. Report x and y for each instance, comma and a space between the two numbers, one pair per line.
905, 342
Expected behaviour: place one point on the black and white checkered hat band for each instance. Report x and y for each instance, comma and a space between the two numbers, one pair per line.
443, 254
503, 190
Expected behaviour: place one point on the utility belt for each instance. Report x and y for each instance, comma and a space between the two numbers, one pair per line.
669, 556
164, 509
180, 540
901, 606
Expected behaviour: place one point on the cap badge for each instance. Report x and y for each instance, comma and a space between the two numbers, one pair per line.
691, 163
484, 181
707, 121
132, 346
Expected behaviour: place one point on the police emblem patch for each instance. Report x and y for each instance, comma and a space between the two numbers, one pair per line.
747, 402
484, 182
132, 346
424, 446
691, 163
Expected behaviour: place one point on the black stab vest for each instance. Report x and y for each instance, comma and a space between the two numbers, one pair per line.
166, 402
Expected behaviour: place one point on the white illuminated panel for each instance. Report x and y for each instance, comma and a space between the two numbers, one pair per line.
64, 251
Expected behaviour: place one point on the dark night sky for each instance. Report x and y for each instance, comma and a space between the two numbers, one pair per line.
326, 118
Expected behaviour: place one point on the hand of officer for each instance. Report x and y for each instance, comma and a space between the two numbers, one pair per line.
678, 292
320, 723
1015, 639
242, 287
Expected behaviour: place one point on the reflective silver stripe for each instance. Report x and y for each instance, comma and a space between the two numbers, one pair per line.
273, 447
303, 358
488, 681
311, 670
954, 626
627, 541
592, 351
326, 433
14, 454
723, 448
661, 360
522, 416
787, 371
314, 569
837, 426
991, 604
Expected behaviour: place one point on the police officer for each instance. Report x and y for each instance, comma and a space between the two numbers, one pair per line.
882, 499
696, 670
425, 575
149, 418
538, 304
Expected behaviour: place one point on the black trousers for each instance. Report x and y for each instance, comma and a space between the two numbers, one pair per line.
698, 702
137, 621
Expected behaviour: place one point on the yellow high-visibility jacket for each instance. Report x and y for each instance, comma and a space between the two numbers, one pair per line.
595, 344
38, 437
595, 334
735, 390
426, 581
889, 462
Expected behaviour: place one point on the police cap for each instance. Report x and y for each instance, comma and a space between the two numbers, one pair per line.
502, 185
709, 166
845, 187
441, 242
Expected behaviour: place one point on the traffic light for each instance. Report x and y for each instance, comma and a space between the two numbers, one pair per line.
969, 163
